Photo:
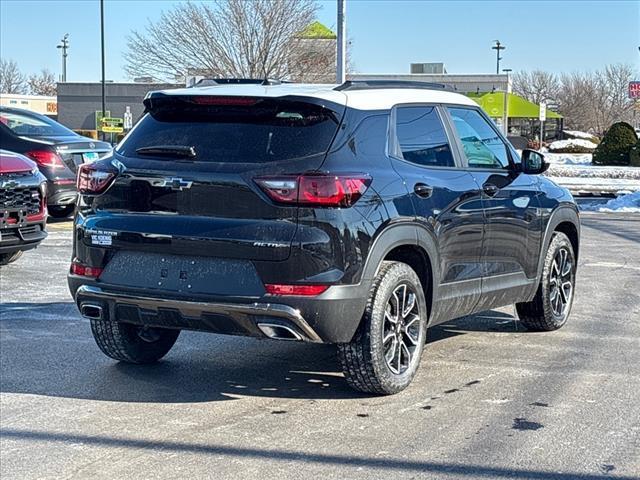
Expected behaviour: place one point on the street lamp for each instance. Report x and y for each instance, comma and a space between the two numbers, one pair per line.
64, 45
497, 47
505, 109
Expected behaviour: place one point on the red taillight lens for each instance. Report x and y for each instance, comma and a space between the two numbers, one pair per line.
316, 190
79, 269
300, 290
95, 178
45, 158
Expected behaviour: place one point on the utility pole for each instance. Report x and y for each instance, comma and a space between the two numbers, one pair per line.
497, 47
505, 110
102, 54
64, 45
342, 43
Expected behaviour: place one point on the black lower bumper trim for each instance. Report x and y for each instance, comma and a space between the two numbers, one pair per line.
232, 319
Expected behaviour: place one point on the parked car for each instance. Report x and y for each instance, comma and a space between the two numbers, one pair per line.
358, 215
57, 150
23, 209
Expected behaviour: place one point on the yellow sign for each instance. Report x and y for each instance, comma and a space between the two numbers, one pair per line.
52, 107
112, 125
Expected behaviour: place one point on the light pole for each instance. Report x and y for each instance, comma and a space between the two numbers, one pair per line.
497, 47
342, 43
505, 110
64, 45
102, 55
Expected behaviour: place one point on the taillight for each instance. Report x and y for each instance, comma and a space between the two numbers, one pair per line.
78, 268
45, 158
95, 178
299, 290
316, 190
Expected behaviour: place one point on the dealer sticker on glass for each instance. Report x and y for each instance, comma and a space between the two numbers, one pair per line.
103, 240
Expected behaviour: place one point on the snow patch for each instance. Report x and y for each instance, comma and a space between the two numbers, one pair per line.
629, 203
572, 142
568, 158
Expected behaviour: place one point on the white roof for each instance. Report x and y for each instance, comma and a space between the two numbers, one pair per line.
367, 99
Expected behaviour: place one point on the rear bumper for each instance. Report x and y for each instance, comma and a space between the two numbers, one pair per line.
329, 318
61, 194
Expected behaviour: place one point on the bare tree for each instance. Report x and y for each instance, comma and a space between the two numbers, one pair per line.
226, 38
536, 86
43, 83
589, 101
11, 79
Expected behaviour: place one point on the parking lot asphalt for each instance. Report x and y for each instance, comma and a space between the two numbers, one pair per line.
491, 400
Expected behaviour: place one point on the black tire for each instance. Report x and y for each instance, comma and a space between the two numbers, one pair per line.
133, 344
7, 258
550, 308
61, 211
365, 366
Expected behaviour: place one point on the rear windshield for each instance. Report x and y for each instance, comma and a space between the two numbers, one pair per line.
33, 126
253, 131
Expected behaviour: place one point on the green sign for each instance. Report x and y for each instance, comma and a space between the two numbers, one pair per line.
112, 125
99, 118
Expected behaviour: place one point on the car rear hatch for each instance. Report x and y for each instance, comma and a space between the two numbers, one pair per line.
188, 183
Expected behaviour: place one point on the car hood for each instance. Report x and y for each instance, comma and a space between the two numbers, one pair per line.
15, 163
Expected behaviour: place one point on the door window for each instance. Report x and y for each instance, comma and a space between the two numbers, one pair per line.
422, 138
480, 142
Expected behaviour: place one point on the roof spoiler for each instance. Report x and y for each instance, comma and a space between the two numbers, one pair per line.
350, 85
211, 82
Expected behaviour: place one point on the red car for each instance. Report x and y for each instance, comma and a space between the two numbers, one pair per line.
23, 206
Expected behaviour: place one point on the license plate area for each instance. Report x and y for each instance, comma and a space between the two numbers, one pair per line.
183, 274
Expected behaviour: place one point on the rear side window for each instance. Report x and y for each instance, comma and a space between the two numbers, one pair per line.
240, 130
422, 138
480, 142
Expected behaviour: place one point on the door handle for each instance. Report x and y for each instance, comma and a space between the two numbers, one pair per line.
423, 190
490, 189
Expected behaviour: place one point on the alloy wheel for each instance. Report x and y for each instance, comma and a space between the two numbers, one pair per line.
561, 282
401, 329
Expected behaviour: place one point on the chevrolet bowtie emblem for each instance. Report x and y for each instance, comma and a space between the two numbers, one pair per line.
175, 183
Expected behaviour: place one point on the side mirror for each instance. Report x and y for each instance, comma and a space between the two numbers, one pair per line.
533, 162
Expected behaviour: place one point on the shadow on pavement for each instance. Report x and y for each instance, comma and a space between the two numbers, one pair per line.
287, 456
47, 349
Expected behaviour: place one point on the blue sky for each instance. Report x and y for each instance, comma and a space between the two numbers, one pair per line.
387, 35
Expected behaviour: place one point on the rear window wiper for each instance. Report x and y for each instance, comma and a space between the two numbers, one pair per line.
183, 151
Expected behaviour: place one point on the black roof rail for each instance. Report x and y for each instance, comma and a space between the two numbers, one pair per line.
374, 84
209, 82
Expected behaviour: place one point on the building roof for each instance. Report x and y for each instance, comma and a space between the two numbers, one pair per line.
317, 30
374, 99
493, 104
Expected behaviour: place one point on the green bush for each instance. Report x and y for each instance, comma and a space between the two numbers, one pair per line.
634, 155
614, 149
572, 149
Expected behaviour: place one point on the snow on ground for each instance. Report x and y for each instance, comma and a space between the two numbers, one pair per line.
572, 142
576, 172
568, 158
629, 203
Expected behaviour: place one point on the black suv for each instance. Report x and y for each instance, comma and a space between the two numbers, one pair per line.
358, 215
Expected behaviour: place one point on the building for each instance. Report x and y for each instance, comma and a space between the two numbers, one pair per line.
36, 103
78, 103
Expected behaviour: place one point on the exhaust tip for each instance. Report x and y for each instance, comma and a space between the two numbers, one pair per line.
279, 332
91, 311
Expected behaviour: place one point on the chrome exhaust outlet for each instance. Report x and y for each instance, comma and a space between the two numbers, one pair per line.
91, 311
279, 332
